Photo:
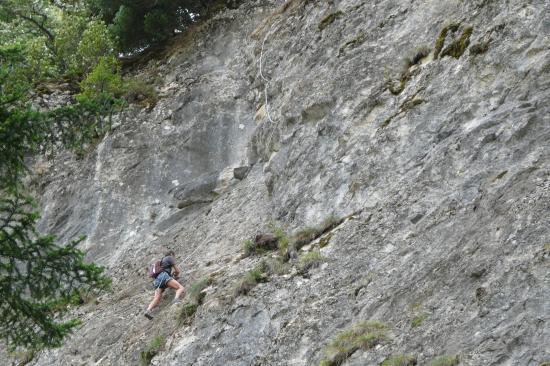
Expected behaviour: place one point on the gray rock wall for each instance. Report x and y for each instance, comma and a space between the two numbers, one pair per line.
441, 166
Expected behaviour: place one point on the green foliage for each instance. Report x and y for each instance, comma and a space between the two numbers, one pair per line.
137, 25
96, 44
103, 80
67, 31
59, 39
363, 335
40, 64
38, 279
399, 360
397, 86
261, 244
457, 47
248, 248
282, 238
152, 350
195, 297
445, 360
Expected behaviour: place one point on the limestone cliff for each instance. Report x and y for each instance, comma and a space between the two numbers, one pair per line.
422, 128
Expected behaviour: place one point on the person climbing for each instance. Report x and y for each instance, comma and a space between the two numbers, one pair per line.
166, 278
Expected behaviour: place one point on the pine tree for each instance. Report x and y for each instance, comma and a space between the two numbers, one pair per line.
38, 277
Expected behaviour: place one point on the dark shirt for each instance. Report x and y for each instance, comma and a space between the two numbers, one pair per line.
166, 264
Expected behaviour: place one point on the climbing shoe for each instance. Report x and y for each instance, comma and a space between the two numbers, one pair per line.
148, 315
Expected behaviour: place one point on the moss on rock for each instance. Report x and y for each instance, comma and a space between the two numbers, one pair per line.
329, 19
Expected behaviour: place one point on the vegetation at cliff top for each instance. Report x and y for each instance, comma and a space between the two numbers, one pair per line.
137, 25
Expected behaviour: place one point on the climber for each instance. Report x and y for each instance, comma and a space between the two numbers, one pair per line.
166, 279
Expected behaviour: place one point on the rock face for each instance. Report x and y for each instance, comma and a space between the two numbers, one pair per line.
425, 124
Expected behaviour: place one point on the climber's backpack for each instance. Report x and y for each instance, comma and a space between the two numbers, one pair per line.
154, 269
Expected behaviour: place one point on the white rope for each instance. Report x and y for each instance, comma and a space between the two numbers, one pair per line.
190, 255
266, 80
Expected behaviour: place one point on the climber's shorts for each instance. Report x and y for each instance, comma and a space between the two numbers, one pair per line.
161, 280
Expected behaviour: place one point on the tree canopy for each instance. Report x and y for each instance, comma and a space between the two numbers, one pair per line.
138, 24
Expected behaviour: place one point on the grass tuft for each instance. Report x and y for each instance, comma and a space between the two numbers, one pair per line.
282, 237
310, 260
445, 360
250, 280
364, 335
399, 360
152, 350
248, 248
307, 235
187, 313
